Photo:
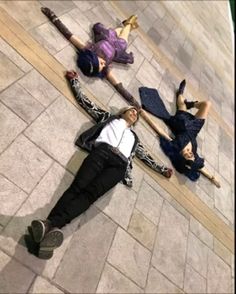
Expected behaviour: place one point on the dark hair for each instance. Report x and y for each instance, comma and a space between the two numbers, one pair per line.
88, 63
187, 167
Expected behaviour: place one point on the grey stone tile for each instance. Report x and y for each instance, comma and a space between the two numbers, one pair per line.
102, 89
67, 57
137, 174
11, 126
14, 277
21, 102
11, 72
27, 15
118, 204
223, 199
171, 245
41, 285
224, 169
11, 198
158, 8
155, 36
49, 37
24, 163
138, 58
39, 87
193, 282
14, 56
75, 27
218, 275
184, 57
85, 5
197, 254
202, 233
123, 72
130, 7
144, 133
128, 256
148, 75
48, 131
159, 67
158, 283
142, 229
59, 7
87, 253
226, 145
112, 281
99, 14
78, 15
149, 203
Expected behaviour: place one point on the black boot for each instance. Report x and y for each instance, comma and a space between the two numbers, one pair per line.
180, 91
190, 104
56, 21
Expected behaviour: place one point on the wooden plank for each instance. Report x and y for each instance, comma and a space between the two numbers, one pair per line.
184, 196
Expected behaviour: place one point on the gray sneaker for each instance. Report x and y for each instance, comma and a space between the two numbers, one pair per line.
52, 240
39, 229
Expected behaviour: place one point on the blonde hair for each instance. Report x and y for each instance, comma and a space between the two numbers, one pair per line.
124, 109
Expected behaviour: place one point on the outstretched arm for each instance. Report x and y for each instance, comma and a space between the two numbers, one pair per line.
97, 113
204, 172
143, 155
62, 28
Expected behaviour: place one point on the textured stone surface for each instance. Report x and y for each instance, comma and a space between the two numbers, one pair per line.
14, 277
48, 131
87, 253
158, 283
148, 75
197, 254
202, 233
39, 87
11, 198
24, 163
149, 203
193, 282
131, 258
11, 72
41, 285
142, 229
112, 281
22, 103
171, 244
118, 204
11, 126
218, 275
222, 251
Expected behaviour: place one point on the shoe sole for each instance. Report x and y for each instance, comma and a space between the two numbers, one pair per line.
38, 230
51, 241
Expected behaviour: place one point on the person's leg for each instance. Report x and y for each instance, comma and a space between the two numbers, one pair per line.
180, 103
203, 109
106, 180
118, 30
92, 165
124, 33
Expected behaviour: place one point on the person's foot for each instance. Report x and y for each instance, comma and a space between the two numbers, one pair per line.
39, 228
190, 104
52, 240
132, 20
180, 91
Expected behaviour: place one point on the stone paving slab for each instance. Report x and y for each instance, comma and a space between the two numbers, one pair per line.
132, 240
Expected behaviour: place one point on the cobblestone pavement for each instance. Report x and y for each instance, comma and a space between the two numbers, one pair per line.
131, 241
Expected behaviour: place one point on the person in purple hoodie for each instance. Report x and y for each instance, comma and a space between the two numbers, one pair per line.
109, 45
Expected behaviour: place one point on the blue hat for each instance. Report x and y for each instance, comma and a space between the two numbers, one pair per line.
88, 63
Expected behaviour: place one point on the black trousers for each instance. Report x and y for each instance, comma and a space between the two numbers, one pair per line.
100, 171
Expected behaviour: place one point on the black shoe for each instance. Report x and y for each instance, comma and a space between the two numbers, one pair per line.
52, 240
180, 91
39, 229
190, 104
